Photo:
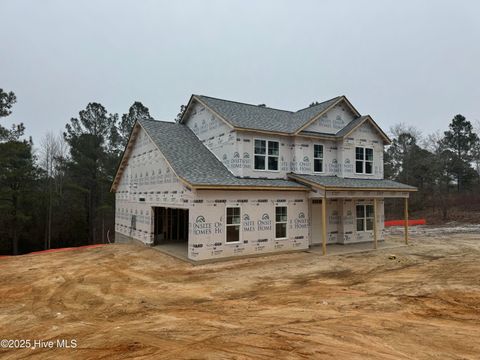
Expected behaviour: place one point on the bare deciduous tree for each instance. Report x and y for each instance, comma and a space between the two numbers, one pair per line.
53, 150
401, 128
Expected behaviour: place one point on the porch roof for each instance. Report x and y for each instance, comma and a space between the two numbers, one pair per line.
339, 184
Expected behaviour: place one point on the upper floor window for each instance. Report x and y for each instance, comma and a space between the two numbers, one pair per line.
363, 160
266, 155
317, 158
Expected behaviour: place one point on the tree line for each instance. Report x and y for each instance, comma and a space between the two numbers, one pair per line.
445, 166
57, 194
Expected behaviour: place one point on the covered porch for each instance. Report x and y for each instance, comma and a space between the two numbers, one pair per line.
346, 211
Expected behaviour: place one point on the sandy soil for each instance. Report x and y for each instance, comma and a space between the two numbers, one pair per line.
124, 301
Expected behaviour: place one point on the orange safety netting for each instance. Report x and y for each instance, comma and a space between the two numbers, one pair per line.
402, 222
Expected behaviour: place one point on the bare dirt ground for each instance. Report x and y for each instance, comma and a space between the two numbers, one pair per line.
122, 301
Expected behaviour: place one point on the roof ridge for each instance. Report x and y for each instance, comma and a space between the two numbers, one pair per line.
243, 103
323, 102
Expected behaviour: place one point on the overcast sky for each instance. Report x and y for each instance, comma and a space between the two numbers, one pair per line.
416, 62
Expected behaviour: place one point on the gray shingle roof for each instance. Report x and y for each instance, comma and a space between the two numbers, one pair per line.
264, 118
192, 161
338, 182
351, 125
355, 122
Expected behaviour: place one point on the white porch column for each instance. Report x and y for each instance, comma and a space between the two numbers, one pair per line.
375, 226
324, 225
406, 219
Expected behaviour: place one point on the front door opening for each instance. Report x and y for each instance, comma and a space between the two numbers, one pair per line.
316, 232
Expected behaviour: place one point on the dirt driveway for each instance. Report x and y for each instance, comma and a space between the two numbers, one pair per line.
123, 301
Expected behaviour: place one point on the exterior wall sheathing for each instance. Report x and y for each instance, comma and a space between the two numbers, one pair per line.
207, 223
148, 181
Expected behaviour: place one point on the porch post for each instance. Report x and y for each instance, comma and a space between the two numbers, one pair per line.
406, 219
324, 225
375, 240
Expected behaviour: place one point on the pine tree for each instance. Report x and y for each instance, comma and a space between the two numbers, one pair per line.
93, 140
136, 112
460, 141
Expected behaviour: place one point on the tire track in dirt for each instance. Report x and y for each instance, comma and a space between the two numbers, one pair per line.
125, 302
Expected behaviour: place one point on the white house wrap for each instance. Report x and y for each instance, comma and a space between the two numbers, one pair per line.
232, 179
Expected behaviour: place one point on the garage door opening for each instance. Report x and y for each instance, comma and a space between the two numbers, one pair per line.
170, 226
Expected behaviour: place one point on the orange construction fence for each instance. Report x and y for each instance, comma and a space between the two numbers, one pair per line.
402, 222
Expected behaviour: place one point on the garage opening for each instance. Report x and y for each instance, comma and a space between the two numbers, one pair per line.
170, 226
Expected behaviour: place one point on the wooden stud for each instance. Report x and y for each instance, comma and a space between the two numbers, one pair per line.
170, 224
165, 225
406, 220
178, 223
375, 239
324, 225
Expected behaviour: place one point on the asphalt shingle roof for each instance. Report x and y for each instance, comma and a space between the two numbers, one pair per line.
338, 182
351, 125
264, 118
192, 161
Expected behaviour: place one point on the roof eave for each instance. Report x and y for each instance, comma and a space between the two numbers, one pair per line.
220, 116
249, 187
187, 109
340, 99
126, 152
386, 139
312, 120
350, 105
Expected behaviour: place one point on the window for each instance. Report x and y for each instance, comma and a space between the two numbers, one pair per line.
363, 160
266, 155
273, 151
281, 222
260, 151
317, 158
365, 217
233, 225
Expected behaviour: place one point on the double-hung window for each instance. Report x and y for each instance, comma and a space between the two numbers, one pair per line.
317, 158
363, 160
281, 222
266, 155
233, 225
365, 217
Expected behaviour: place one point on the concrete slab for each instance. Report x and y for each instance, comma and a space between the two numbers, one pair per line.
180, 250
177, 250
339, 249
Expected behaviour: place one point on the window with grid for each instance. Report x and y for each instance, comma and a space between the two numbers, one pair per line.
233, 225
266, 155
365, 217
317, 158
363, 160
281, 222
